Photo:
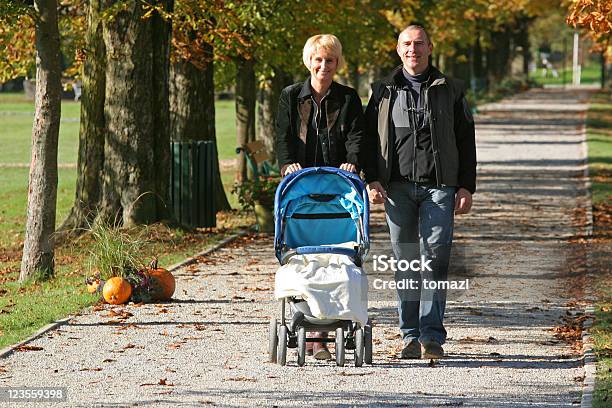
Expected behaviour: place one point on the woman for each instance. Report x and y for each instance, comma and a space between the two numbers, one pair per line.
319, 123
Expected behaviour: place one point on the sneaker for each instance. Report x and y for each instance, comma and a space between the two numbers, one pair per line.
411, 350
432, 350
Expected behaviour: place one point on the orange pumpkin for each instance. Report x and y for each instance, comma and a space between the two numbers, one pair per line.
162, 282
116, 291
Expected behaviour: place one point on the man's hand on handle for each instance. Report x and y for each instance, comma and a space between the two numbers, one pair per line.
463, 201
376, 192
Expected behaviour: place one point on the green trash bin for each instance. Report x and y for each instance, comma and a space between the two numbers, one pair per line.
192, 185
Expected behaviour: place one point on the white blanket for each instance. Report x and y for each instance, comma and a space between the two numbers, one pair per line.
331, 284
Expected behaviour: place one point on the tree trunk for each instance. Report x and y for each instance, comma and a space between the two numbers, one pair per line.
91, 135
269, 95
479, 77
245, 110
524, 43
498, 57
603, 69
192, 112
38, 250
354, 77
136, 150
162, 33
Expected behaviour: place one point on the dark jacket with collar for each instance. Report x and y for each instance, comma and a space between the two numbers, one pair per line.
345, 124
452, 130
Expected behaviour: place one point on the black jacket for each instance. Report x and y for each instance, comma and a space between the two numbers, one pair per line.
345, 124
452, 130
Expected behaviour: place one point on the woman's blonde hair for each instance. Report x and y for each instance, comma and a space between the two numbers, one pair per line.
327, 42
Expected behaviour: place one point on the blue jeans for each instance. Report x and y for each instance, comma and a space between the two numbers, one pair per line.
420, 220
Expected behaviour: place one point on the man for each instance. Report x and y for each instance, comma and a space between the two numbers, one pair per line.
422, 166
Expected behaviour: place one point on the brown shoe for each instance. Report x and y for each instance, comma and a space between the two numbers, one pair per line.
411, 350
432, 350
319, 350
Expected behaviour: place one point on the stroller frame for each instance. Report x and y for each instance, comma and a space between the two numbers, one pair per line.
290, 331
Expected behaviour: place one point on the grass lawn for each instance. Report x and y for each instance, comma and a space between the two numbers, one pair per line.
590, 74
26, 308
599, 140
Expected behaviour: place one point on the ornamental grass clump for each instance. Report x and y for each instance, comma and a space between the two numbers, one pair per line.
114, 253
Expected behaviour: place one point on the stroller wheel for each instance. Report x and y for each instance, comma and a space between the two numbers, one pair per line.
281, 355
272, 341
301, 346
367, 340
359, 349
340, 347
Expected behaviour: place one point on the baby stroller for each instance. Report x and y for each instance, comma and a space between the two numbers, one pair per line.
320, 210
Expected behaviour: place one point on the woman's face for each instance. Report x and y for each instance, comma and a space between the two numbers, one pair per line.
323, 65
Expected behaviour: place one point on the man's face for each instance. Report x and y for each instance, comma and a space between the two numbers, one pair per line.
414, 49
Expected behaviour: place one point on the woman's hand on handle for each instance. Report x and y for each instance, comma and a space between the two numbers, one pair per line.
349, 167
291, 168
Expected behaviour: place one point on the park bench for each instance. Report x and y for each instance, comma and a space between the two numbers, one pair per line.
258, 159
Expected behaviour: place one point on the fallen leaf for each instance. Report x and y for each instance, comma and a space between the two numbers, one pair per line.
122, 314
175, 345
256, 289
114, 321
360, 373
28, 348
162, 381
249, 379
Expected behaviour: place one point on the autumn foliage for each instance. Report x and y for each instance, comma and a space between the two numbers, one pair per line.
596, 17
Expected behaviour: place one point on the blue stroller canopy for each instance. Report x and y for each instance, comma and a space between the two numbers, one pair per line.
321, 206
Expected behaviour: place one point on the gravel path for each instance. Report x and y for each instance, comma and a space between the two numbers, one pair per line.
208, 347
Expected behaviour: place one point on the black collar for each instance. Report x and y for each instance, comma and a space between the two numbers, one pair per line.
396, 77
306, 91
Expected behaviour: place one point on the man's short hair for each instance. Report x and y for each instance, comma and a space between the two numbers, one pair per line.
415, 27
327, 42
